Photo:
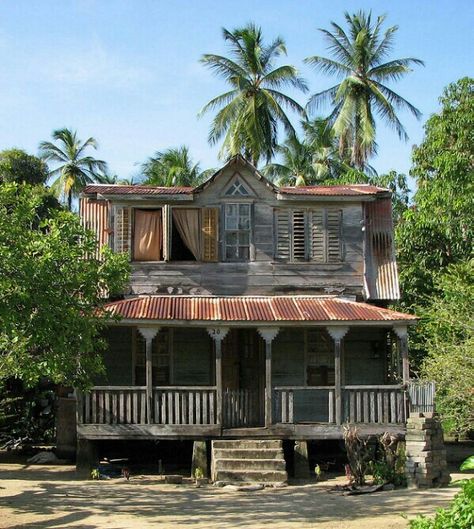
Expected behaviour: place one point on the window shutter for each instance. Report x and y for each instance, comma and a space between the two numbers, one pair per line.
282, 230
122, 229
299, 235
318, 246
334, 235
165, 216
210, 234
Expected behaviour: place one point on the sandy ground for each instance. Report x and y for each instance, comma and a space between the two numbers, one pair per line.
43, 497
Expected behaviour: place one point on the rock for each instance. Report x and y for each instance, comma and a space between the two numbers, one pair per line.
388, 486
174, 479
43, 458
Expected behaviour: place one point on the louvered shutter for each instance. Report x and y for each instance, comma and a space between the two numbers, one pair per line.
210, 234
317, 235
334, 235
122, 229
165, 215
282, 238
298, 233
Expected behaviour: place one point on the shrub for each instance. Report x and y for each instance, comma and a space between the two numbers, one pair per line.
459, 515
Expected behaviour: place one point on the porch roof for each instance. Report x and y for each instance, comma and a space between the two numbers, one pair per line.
317, 309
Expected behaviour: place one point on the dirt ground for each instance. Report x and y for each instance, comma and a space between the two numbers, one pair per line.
41, 496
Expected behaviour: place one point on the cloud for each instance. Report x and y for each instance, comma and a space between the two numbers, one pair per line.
93, 65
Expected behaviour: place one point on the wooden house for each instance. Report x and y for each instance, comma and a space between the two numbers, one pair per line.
253, 312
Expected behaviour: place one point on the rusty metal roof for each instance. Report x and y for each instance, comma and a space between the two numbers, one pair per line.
252, 309
118, 189
336, 190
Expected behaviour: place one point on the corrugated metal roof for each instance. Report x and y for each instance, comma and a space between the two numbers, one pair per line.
117, 189
336, 190
251, 309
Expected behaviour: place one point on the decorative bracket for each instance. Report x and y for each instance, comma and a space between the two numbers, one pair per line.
401, 331
337, 333
148, 332
268, 333
218, 333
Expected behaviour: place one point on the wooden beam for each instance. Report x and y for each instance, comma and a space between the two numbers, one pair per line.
337, 334
148, 334
218, 334
268, 334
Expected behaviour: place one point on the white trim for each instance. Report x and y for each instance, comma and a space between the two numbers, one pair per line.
337, 333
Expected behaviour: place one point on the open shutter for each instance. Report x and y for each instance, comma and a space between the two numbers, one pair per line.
334, 235
210, 234
317, 236
94, 216
282, 230
299, 235
165, 216
122, 229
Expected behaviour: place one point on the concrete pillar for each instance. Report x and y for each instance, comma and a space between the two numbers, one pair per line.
218, 334
87, 457
337, 334
66, 438
268, 334
301, 460
148, 333
200, 458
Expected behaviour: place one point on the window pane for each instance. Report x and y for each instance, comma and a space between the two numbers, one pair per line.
244, 238
231, 252
231, 210
231, 223
244, 223
244, 209
244, 253
231, 238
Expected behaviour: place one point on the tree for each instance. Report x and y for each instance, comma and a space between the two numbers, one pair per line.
19, 166
75, 169
51, 292
359, 58
254, 107
447, 330
438, 230
173, 167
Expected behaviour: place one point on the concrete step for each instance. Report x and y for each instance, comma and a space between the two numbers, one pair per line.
247, 443
250, 464
247, 453
251, 476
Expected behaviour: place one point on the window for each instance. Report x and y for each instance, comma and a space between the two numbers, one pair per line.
236, 189
147, 235
237, 232
319, 358
160, 359
309, 235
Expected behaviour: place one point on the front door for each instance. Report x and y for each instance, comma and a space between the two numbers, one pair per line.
243, 379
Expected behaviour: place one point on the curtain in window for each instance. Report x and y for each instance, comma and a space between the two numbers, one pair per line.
187, 224
148, 235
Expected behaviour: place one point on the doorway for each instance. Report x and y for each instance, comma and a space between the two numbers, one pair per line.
243, 379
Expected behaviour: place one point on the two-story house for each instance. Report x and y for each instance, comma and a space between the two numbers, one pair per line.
253, 312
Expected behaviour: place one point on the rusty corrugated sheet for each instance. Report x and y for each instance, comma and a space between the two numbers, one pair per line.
117, 189
381, 267
336, 190
95, 216
250, 309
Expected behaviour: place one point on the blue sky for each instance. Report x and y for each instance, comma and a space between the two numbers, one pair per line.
128, 72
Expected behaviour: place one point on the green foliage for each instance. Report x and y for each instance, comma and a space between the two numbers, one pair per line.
23, 168
447, 331
173, 167
251, 111
468, 464
389, 467
50, 293
95, 474
198, 473
74, 169
359, 57
459, 515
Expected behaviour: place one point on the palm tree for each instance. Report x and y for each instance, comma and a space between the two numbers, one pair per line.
109, 178
75, 169
251, 111
173, 167
359, 58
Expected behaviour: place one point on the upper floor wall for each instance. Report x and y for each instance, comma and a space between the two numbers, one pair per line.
238, 234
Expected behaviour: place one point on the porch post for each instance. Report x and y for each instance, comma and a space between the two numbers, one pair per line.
402, 334
268, 334
337, 334
218, 334
148, 333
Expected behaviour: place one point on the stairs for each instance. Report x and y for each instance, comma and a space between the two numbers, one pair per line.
248, 461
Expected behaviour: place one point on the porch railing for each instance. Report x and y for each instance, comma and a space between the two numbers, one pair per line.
296, 404
189, 405
421, 395
241, 408
374, 404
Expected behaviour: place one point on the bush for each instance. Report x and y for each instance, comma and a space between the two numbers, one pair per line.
459, 515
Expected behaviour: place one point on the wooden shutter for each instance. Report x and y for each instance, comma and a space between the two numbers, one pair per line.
282, 237
122, 229
94, 216
317, 235
334, 235
166, 222
298, 233
210, 234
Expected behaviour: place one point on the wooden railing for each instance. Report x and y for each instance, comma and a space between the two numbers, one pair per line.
421, 394
128, 405
293, 404
241, 408
374, 404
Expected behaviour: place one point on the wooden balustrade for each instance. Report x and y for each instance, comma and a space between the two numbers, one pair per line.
241, 408
127, 405
294, 404
374, 404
